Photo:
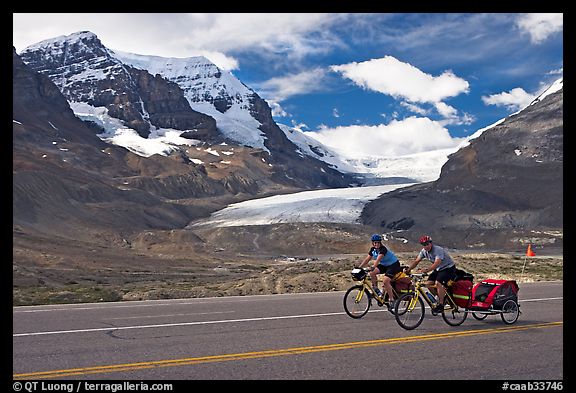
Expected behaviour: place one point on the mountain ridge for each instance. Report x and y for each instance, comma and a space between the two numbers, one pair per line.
504, 188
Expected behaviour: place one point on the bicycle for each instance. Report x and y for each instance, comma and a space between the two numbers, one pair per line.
409, 310
358, 298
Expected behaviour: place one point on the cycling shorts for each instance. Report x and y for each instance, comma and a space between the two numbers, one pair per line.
390, 270
444, 275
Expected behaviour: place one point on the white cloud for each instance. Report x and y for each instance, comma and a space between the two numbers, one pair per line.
186, 34
540, 26
446, 110
414, 108
514, 99
299, 126
400, 80
224, 62
277, 110
390, 76
559, 71
281, 88
399, 137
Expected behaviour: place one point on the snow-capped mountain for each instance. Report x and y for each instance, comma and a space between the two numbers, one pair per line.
209, 90
136, 99
87, 72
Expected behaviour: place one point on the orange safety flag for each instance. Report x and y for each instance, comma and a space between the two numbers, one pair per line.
529, 252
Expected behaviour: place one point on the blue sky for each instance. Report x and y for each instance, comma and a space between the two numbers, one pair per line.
409, 82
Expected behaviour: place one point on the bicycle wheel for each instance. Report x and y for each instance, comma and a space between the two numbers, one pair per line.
357, 302
451, 315
510, 312
479, 317
409, 311
401, 308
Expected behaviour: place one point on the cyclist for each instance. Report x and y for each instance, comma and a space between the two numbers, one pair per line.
387, 263
443, 268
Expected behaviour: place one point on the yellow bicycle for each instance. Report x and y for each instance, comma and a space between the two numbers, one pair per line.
409, 310
358, 298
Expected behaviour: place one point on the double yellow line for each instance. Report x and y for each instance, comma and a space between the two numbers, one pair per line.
269, 353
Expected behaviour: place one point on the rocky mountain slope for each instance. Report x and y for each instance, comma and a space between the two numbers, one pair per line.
503, 190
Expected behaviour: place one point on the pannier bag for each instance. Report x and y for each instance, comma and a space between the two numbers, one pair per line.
461, 292
463, 275
402, 283
461, 287
494, 293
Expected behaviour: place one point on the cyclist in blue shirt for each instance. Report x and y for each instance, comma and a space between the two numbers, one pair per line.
385, 262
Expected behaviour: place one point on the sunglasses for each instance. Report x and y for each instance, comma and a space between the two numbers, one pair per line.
425, 243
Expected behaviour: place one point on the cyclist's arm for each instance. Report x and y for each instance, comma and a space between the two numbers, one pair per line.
365, 261
436, 263
415, 263
378, 260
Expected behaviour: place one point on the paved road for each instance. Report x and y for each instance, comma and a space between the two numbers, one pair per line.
283, 337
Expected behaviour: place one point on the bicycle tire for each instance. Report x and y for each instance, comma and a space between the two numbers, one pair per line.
409, 313
479, 317
357, 302
510, 312
453, 316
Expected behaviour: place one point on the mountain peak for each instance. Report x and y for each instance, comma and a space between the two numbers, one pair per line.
60, 41
554, 87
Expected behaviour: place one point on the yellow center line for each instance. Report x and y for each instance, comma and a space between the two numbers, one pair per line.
273, 352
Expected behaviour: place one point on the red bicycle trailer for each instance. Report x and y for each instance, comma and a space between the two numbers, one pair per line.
493, 297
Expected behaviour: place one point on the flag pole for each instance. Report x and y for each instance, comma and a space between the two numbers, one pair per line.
529, 252
523, 266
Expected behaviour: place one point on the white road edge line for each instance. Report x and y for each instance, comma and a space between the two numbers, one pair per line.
210, 322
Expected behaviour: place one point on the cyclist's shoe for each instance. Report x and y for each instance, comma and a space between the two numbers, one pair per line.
391, 306
438, 309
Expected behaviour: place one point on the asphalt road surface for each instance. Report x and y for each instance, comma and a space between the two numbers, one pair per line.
283, 337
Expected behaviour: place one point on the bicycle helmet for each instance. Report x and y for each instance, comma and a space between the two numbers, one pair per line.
425, 239
376, 238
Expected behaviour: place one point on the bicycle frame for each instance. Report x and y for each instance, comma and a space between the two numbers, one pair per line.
368, 288
358, 298
419, 289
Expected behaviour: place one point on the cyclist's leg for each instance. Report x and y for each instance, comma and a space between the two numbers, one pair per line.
431, 283
386, 282
442, 280
374, 277
441, 291
389, 272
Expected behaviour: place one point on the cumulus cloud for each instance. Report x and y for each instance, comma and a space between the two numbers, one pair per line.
403, 81
540, 26
390, 76
399, 137
514, 99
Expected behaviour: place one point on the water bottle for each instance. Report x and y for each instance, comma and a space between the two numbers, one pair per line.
430, 295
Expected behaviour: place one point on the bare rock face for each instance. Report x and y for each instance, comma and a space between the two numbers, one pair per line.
503, 189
